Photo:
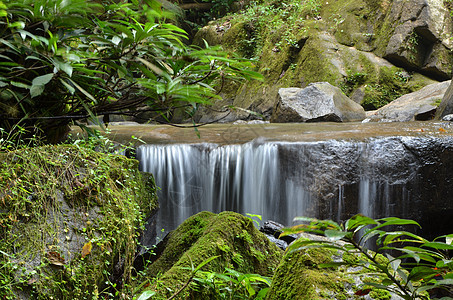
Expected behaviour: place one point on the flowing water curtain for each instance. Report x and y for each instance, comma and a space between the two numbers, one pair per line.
280, 180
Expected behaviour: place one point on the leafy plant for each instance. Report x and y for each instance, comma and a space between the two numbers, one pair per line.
232, 284
64, 61
414, 265
35, 183
255, 218
352, 81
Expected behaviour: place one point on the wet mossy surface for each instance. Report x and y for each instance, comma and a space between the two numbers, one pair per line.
299, 276
306, 274
70, 220
298, 43
228, 235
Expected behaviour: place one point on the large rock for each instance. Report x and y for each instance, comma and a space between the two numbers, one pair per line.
300, 276
317, 102
344, 47
68, 217
420, 105
230, 236
446, 105
417, 37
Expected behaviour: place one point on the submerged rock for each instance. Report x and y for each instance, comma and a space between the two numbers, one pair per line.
420, 105
228, 235
316, 103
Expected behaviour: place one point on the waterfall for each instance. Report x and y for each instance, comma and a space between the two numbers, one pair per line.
332, 179
194, 177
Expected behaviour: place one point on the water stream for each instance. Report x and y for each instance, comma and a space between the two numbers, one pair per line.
406, 175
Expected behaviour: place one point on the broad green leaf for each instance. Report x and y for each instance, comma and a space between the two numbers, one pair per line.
202, 264
262, 294
370, 233
448, 281
394, 263
17, 24
448, 238
146, 295
63, 66
38, 84
401, 236
42, 80
418, 273
395, 221
70, 88
36, 90
444, 263
438, 245
20, 84
160, 88
358, 221
7, 43
335, 235
150, 65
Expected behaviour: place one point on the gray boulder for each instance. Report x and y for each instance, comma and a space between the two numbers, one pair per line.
446, 106
419, 41
420, 105
318, 102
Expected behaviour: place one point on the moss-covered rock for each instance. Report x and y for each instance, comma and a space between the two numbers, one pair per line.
301, 276
69, 221
228, 235
297, 43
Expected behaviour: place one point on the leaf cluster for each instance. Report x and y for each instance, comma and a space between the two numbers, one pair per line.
63, 61
413, 266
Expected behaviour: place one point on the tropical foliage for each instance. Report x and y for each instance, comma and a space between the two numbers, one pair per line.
63, 61
415, 267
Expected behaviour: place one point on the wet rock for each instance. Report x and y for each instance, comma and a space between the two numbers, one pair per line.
273, 230
229, 236
316, 103
278, 242
446, 106
448, 118
418, 41
300, 276
420, 105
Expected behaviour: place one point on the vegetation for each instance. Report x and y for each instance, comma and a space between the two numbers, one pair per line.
63, 61
240, 258
70, 220
413, 266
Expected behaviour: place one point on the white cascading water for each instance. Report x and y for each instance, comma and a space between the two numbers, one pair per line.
243, 178
278, 180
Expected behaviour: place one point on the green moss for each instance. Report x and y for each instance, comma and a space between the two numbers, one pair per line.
56, 199
230, 236
307, 279
380, 294
390, 84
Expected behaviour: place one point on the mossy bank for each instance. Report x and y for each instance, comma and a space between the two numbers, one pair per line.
69, 222
376, 51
